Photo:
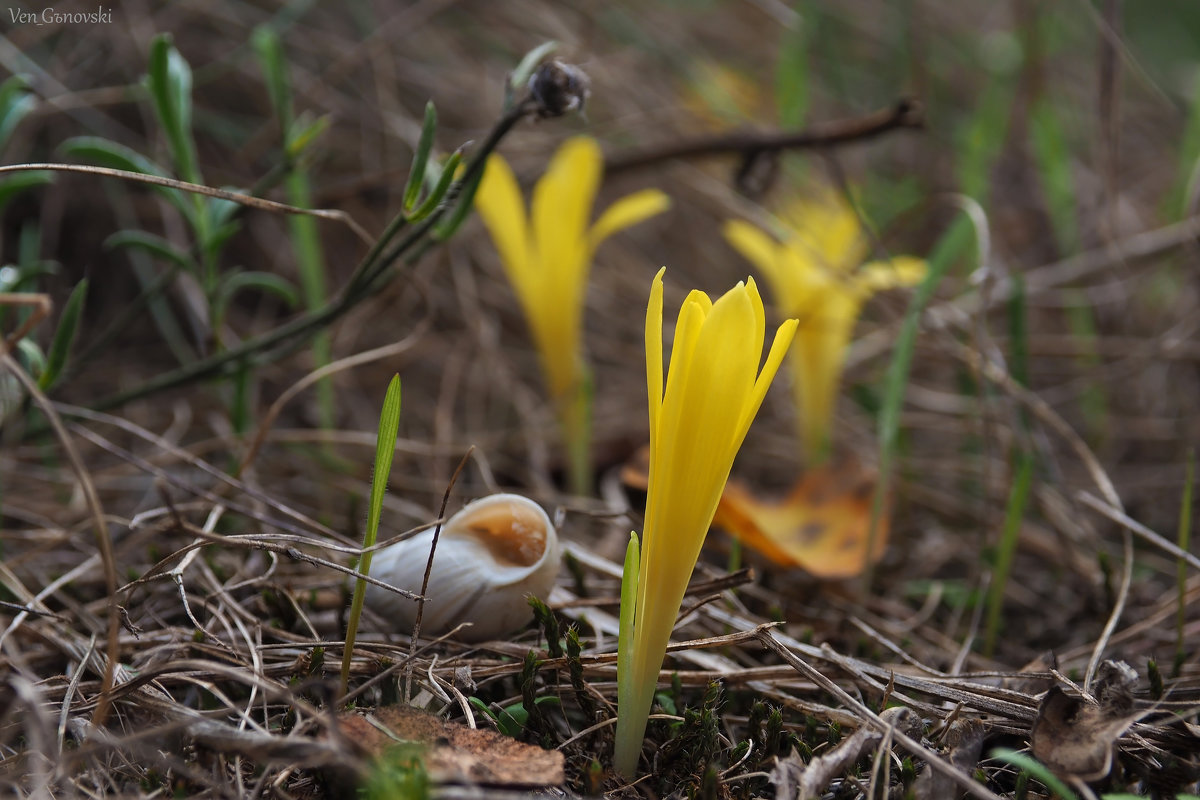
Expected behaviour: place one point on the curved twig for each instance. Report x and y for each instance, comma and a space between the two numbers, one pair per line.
906, 113
197, 188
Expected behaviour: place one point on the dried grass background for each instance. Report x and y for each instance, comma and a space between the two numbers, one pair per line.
223, 604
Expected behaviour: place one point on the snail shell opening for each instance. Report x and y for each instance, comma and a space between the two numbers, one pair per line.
513, 533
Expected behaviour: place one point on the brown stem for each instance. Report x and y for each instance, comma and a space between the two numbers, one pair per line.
906, 113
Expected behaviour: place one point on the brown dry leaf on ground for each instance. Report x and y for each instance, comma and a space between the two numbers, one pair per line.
454, 753
1074, 736
823, 525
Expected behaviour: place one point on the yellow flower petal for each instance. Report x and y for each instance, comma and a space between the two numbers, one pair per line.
561, 211
758, 248
627, 211
813, 277
818, 351
502, 210
894, 272
829, 229
697, 425
784, 336
654, 351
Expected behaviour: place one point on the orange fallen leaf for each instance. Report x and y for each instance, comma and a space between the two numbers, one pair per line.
822, 525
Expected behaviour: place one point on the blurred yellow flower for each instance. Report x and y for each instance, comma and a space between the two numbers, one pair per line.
713, 391
547, 257
816, 277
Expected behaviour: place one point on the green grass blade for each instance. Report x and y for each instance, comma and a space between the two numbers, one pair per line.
64, 336
306, 241
1037, 769
1018, 331
982, 139
1017, 499
1081, 320
416, 175
947, 251
385, 448
1189, 159
1183, 539
791, 75
274, 67
1053, 157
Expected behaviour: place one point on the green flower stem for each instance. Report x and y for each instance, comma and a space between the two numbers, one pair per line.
575, 415
629, 743
361, 285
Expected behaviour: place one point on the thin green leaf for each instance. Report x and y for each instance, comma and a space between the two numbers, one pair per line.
274, 66
32, 356
104, 153
1053, 157
260, 281
1189, 158
1015, 512
170, 83
791, 75
19, 182
1035, 768
439, 190
15, 104
303, 132
385, 448
945, 253
1018, 331
152, 244
1184, 540
416, 175
454, 220
529, 62
982, 138
630, 574
481, 706
68, 326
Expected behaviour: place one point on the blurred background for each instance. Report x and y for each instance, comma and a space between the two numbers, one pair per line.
1069, 132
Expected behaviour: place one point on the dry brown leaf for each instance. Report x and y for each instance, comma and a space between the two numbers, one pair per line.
454, 752
822, 525
1073, 736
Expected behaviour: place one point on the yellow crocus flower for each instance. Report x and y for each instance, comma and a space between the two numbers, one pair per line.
697, 423
816, 277
547, 256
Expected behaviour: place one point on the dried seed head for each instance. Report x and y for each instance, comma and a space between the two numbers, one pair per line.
557, 88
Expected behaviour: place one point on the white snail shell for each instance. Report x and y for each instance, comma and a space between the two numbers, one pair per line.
490, 555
